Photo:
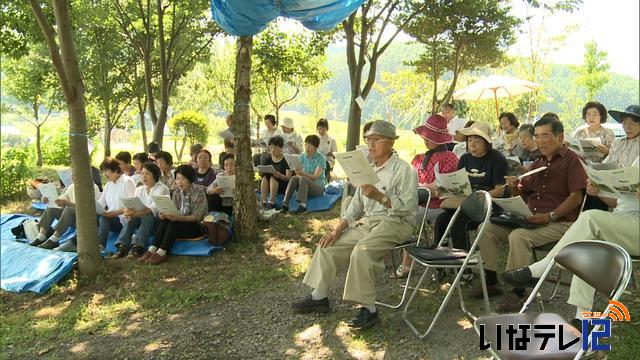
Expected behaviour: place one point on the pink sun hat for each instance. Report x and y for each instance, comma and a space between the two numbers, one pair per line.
435, 130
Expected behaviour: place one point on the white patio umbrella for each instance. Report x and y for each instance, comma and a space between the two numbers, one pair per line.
494, 87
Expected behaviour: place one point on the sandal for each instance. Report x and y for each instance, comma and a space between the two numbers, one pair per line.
401, 272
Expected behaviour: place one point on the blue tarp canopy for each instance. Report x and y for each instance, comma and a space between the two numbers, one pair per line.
249, 17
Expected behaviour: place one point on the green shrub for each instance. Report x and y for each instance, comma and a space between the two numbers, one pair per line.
16, 166
55, 151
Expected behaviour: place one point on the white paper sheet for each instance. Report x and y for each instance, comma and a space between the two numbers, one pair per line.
226, 134
616, 183
65, 177
360, 102
261, 143
455, 184
49, 191
514, 206
165, 204
228, 183
293, 160
585, 148
133, 203
265, 169
534, 171
355, 165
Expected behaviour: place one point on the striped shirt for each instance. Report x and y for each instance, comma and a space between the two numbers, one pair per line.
624, 151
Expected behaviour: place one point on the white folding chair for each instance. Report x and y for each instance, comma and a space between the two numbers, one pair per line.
477, 207
605, 266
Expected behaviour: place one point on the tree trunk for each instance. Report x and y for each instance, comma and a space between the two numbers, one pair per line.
107, 132
244, 207
143, 125
158, 130
38, 135
353, 125
66, 65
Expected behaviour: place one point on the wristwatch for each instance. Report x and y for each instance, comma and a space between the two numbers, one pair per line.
384, 200
553, 217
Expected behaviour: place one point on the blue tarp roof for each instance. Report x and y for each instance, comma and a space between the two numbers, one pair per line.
249, 17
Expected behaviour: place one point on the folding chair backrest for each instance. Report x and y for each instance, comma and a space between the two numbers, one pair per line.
600, 264
475, 206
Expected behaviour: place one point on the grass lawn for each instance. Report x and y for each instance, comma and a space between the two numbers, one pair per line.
235, 304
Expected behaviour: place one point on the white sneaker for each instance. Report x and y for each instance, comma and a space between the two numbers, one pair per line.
30, 229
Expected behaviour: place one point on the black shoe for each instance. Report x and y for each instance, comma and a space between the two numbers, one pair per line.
135, 252
269, 206
520, 278
37, 242
284, 208
308, 305
364, 320
49, 244
300, 210
120, 253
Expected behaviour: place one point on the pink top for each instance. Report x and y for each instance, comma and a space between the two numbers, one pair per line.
448, 163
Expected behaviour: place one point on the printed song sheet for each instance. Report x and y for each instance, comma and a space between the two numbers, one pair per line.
165, 204
358, 169
455, 184
228, 183
514, 206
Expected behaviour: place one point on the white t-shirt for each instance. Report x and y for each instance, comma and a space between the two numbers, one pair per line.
267, 135
455, 124
146, 195
123, 187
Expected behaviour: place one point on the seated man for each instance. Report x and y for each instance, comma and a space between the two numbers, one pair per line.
620, 227
64, 211
388, 210
554, 196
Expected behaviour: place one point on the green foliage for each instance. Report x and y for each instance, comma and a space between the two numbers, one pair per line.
189, 126
461, 36
56, 151
15, 166
407, 94
594, 72
285, 63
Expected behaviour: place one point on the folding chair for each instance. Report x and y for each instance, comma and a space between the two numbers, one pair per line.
603, 265
477, 207
413, 241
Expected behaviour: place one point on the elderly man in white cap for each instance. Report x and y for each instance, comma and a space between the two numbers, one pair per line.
388, 211
292, 140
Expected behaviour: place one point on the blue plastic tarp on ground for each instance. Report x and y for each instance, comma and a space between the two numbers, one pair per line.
249, 17
28, 268
332, 193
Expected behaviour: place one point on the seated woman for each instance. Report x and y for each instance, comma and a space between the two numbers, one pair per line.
276, 183
310, 177
328, 144
460, 147
620, 227
141, 222
624, 151
271, 130
486, 168
64, 212
205, 173
435, 135
118, 186
191, 201
216, 201
292, 139
530, 151
139, 159
594, 115
509, 126
165, 162
124, 158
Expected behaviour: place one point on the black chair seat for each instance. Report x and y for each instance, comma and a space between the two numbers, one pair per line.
546, 247
439, 256
552, 347
412, 240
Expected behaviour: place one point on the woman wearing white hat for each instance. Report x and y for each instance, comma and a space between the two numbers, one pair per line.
292, 140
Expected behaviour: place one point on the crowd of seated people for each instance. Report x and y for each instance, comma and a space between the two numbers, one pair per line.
382, 215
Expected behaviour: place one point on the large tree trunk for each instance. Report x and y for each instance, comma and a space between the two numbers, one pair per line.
66, 65
143, 125
107, 132
353, 125
244, 207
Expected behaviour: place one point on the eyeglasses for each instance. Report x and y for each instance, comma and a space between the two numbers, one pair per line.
373, 141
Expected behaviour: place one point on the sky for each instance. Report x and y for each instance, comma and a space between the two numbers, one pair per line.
613, 24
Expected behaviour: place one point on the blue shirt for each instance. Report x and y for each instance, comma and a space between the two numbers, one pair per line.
310, 165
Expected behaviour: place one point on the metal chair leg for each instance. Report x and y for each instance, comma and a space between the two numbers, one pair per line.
404, 292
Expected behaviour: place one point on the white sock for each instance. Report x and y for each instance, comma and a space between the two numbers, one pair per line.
304, 205
371, 307
161, 252
318, 295
52, 238
537, 269
153, 249
41, 237
579, 312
